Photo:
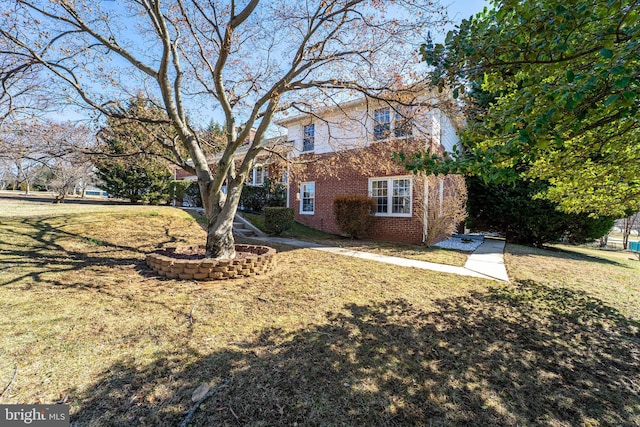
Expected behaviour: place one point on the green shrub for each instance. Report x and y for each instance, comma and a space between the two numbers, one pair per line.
354, 214
192, 195
278, 219
514, 211
277, 193
253, 199
178, 188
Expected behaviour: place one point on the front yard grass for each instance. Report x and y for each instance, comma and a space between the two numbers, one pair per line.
421, 253
322, 340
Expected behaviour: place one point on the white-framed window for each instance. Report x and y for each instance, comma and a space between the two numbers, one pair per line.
403, 122
308, 137
257, 175
381, 123
401, 125
393, 195
308, 198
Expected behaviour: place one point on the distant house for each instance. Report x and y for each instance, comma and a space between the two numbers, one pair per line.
265, 166
346, 150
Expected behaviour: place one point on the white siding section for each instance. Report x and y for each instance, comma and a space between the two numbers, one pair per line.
427, 126
448, 136
354, 129
332, 133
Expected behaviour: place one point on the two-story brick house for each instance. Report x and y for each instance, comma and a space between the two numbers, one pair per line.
347, 150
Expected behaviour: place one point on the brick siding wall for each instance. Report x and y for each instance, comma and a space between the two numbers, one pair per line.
347, 178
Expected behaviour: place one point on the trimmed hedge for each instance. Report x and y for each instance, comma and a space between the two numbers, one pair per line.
278, 219
354, 214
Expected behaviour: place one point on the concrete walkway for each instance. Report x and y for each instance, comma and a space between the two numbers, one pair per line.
486, 262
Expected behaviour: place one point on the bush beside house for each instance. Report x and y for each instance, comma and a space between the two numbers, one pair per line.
256, 198
354, 214
278, 219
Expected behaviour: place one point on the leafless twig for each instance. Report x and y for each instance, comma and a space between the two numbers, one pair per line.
8, 387
190, 316
195, 407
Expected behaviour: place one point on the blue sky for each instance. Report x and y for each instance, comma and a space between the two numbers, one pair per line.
457, 10
461, 9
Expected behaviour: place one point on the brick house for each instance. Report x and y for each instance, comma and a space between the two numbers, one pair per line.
265, 165
347, 150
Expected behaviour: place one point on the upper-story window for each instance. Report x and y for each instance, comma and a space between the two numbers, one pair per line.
403, 125
381, 123
308, 138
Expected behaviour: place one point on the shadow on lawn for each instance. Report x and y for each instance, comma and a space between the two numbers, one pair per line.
523, 354
42, 250
560, 253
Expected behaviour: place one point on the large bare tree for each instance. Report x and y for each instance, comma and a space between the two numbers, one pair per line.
249, 59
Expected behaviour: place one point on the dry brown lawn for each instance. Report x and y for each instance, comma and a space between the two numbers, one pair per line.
322, 340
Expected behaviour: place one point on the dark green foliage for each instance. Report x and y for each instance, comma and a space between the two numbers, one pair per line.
277, 196
187, 192
255, 198
583, 229
177, 188
278, 219
192, 195
127, 168
354, 214
138, 183
512, 210
564, 87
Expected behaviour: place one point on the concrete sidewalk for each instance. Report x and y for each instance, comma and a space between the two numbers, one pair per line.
486, 262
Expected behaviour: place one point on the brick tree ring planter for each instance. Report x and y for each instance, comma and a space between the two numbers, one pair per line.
188, 263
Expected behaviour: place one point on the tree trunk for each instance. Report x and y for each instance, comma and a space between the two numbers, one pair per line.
220, 210
626, 231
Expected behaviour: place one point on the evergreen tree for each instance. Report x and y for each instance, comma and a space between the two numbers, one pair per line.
131, 164
516, 208
514, 211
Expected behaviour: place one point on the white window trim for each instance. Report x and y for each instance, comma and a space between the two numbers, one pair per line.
253, 174
392, 127
390, 180
386, 111
313, 144
302, 184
